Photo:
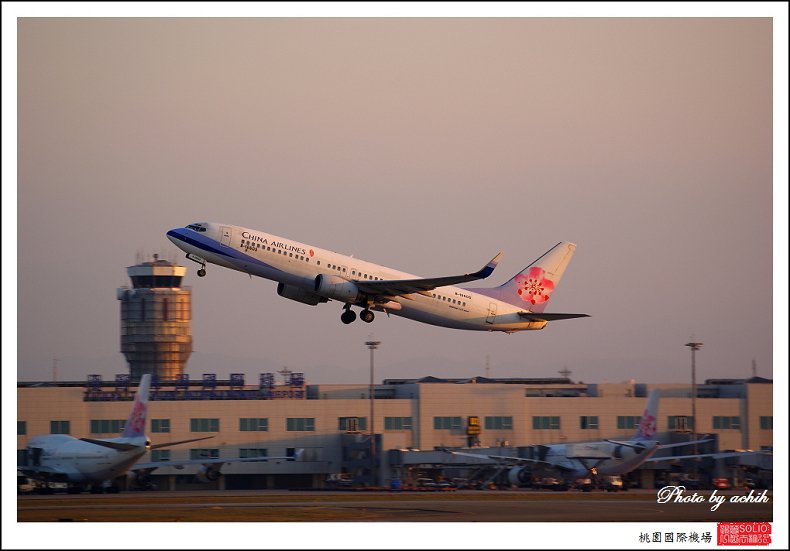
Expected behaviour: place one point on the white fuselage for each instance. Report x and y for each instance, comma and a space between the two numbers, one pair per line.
79, 461
297, 265
608, 458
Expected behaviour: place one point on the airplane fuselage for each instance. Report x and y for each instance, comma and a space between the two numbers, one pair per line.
607, 458
295, 266
72, 460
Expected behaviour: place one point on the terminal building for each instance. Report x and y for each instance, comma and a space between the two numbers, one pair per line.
414, 420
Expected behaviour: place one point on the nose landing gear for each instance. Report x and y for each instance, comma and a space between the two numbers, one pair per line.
202, 271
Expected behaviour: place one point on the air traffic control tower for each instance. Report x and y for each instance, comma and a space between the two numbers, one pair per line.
156, 314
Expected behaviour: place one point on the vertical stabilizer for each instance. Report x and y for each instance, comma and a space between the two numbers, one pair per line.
531, 288
647, 424
135, 425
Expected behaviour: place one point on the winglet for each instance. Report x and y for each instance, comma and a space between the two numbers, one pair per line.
488, 269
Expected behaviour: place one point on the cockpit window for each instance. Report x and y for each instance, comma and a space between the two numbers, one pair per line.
196, 227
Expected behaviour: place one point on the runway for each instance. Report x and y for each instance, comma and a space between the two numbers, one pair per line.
305, 506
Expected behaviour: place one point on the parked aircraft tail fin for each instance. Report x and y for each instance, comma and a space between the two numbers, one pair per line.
135, 425
647, 424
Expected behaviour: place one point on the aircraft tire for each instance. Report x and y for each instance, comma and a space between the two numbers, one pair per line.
348, 316
366, 315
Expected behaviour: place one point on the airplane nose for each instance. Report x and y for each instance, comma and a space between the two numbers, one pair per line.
175, 236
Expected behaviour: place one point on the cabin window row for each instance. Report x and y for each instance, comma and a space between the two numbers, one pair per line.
248, 245
448, 299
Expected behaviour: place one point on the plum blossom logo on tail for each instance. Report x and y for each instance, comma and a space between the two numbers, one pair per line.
138, 418
534, 287
647, 426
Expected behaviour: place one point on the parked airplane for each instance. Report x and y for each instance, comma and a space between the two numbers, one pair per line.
601, 458
311, 275
92, 463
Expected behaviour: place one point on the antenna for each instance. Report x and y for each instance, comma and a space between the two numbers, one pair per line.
488, 366
754, 367
565, 371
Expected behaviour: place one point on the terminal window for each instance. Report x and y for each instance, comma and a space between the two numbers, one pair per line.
680, 422
107, 426
204, 425
724, 422
300, 424
588, 422
253, 452
545, 422
60, 427
253, 424
347, 423
628, 421
160, 455
448, 423
204, 453
21, 427
397, 423
766, 422
160, 425
499, 423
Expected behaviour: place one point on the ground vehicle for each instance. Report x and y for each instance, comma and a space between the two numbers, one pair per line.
339, 480
612, 483
722, 483
552, 483
426, 484
584, 484
24, 485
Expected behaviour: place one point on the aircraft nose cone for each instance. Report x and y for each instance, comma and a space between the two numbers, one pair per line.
175, 236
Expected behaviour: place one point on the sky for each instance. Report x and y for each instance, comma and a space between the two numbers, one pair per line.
424, 144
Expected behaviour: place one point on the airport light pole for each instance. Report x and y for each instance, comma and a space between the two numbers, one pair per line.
694, 347
372, 345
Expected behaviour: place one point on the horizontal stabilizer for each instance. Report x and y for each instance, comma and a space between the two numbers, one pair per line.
550, 317
119, 446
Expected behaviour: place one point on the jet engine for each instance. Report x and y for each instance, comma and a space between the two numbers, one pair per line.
208, 473
337, 288
299, 295
519, 476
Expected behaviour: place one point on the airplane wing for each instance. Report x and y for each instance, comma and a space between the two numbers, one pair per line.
166, 444
550, 316
397, 287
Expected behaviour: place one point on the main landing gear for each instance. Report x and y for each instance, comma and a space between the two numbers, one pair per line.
348, 315
202, 271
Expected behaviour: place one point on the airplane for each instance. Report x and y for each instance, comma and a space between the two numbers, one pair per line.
311, 275
599, 458
92, 463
